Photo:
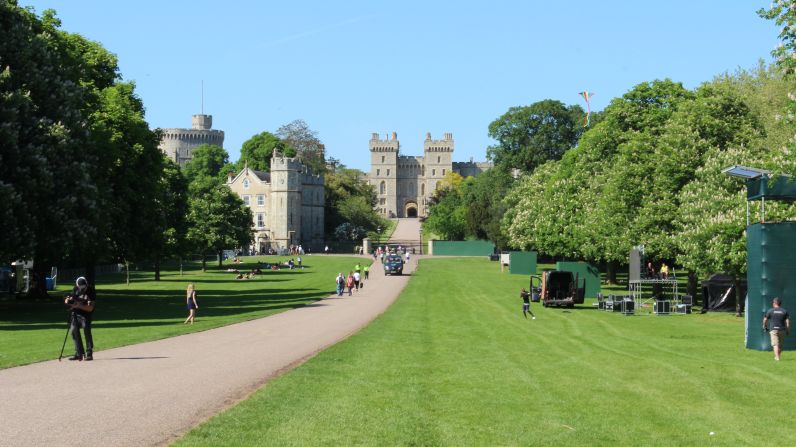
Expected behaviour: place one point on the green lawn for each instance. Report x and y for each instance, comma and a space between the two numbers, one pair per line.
453, 362
32, 331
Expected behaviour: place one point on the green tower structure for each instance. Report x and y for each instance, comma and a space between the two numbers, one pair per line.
770, 254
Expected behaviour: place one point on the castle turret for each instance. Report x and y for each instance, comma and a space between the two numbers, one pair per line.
437, 161
384, 172
286, 204
178, 144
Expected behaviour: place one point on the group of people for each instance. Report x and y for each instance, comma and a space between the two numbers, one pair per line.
662, 273
354, 281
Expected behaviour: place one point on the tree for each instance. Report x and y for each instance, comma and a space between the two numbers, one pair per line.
447, 212
309, 148
218, 220
172, 200
484, 196
205, 170
350, 198
530, 135
258, 150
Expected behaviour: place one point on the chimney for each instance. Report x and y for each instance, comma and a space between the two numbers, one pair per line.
394, 136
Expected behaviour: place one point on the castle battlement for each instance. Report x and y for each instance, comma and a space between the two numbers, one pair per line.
178, 144
443, 145
385, 145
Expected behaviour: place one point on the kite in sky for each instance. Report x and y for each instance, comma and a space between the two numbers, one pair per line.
587, 95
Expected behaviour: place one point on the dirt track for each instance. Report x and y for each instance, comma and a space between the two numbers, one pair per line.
151, 393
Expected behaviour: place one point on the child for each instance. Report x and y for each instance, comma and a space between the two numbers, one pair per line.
350, 282
526, 303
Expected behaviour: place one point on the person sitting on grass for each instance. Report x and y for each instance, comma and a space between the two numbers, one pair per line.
526, 303
240, 276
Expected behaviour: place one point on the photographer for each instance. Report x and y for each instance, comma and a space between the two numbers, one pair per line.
81, 303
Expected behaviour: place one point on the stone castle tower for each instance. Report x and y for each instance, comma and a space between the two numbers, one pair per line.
178, 144
404, 184
296, 198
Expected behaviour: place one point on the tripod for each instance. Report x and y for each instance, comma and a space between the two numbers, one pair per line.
68, 327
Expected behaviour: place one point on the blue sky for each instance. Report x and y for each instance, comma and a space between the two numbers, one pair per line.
356, 67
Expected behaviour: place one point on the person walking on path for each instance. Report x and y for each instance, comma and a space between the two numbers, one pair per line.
81, 305
526, 303
367, 270
407, 256
340, 280
349, 282
191, 304
357, 278
779, 327
358, 267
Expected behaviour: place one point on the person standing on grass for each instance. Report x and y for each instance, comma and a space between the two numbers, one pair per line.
340, 283
526, 303
349, 282
779, 327
190, 298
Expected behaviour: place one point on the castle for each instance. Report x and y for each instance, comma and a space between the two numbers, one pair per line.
286, 204
403, 183
178, 144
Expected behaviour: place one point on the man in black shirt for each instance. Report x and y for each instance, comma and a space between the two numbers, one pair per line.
526, 303
81, 302
779, 327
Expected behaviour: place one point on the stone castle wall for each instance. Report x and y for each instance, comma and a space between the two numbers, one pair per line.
178, 144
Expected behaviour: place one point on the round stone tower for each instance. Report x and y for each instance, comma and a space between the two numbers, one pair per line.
178, 144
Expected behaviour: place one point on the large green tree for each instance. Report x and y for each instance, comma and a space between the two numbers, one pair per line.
309, 148
218, 219
528, 136
258, 150
349, 198
205, 170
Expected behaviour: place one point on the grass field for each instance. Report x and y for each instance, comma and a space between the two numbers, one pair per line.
453, 362
32, 331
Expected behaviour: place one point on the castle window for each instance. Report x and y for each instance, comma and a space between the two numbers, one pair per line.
443, 172
438, 159
382, 201
388, 173
423, 189
260, 220
260, 200
246, 184
382, 188
433, 172
247, 199
382, 158
378, 172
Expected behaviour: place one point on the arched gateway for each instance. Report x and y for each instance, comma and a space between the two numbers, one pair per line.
410, 210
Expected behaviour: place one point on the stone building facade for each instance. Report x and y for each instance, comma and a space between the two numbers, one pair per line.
178, 144
286, 203
405, 183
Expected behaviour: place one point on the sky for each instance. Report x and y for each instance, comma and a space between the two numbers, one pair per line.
352, 68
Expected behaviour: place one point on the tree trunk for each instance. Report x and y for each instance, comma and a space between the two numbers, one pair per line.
204, 262
180, 265
691, 288
739, 300
220, 257
157, 267
610, 271
127, 271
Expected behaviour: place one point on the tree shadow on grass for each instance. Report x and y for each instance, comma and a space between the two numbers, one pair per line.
117, 307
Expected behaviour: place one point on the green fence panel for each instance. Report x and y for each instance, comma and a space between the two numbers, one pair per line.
583, 270
771, 273
522, 262
462, 248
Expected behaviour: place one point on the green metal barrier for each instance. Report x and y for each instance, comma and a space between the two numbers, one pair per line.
771, 273
583, 270
462, 248
522, 263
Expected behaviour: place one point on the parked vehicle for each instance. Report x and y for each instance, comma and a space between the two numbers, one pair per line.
560, 288
393, 265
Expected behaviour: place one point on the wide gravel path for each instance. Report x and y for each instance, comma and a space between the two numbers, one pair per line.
151, 393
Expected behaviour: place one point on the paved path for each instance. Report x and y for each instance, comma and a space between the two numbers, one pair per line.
151, 393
